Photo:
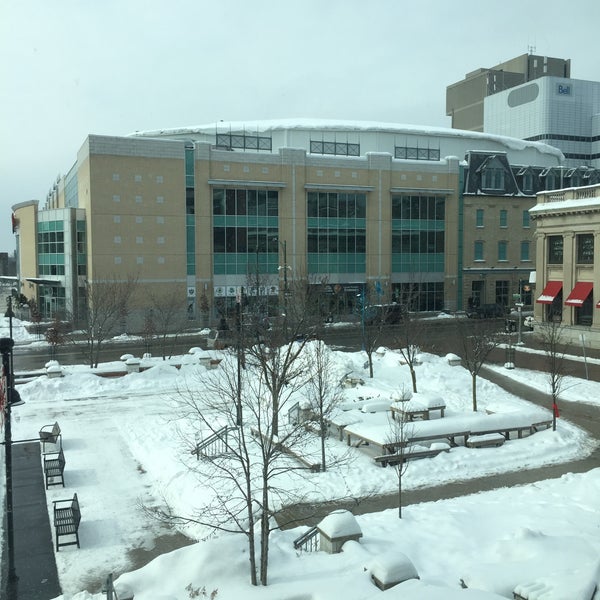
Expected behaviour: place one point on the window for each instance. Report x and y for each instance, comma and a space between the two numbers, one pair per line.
116, 219
159, 179
526, 219
502, 292
116, 177
479, 217
415, 153
555, 249
160, 199
525, 251
160, 220
117, 239
503, 218
116, 198
585, 248
137, 178
478, 251
418, 208
139, 219
118, 260
243, 141
335, 148
139, 260
138, 199
161, 260
528, 183
160, 239
139, 239
492, 179
502, 250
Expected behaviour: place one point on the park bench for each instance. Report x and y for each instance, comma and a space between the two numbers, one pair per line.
409, 454
66, 521
488, 440
449, 436
49, 434
54, 468
535, 427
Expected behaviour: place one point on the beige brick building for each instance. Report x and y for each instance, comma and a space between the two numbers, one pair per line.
194, 212
568, 260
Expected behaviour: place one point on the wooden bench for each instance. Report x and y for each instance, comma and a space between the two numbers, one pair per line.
50, 434
488, 440
54, 468
393, 459
450, 437
66, 521
535, 427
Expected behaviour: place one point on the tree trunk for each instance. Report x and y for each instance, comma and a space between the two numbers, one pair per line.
251, 538
474, 390
323, 435
413, 376
264, 535
400, 491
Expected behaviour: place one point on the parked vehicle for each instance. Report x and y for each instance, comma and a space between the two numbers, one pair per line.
487, 311
384, 313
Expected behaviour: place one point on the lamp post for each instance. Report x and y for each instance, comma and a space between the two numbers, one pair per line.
9, 397
6, 346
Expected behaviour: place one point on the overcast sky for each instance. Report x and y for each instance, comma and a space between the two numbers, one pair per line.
74, 67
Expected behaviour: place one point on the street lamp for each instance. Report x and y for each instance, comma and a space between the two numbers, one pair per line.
9, 397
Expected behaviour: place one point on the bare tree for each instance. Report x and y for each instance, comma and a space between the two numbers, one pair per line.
55, 336
107, 306
401, 431
169, 318
409, 332
323, 391
478, 338
375, 319
148, 330
242, 465
554, 345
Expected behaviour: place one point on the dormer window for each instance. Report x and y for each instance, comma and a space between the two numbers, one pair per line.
492, 178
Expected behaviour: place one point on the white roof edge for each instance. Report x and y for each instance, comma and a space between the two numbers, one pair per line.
264, 126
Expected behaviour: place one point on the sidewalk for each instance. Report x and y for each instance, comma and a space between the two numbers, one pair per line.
34, 560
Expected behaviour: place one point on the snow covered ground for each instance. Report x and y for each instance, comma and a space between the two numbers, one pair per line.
124, 452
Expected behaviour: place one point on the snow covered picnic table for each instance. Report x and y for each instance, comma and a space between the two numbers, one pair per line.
419, 407
376, 430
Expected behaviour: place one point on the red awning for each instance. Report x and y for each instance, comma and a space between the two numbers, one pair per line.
550, 292
580, 292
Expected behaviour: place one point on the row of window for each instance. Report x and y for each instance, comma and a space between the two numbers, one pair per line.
416, 153
138, 178
337, 205
51, 242
260, 203
584, 244
243, 141
139, 260
418, 208
139, 199
243, 240
334, 148
503, 218
502, 254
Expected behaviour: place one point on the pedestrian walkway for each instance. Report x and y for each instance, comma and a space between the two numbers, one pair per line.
34, 559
